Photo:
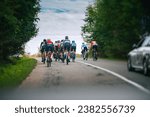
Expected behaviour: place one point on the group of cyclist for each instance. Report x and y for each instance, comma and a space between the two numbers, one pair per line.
84, 50
60, 49
65, 49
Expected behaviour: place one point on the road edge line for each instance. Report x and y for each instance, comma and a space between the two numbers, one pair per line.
119, 76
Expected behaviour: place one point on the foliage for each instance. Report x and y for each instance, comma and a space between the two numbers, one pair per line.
17, 24
117, 25
14, 72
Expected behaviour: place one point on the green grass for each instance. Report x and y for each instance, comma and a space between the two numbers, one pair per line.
13, 72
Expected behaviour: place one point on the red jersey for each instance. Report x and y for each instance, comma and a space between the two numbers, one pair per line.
93, 43
49, 42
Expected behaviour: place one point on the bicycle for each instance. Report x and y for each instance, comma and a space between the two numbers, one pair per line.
94, 55
43, 58
73, 56
85, 55
49, 59
67, 57
56, 56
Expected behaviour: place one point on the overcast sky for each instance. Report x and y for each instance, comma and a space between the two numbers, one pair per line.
59, 18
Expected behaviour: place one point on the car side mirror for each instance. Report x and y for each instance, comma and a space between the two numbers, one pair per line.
134, 46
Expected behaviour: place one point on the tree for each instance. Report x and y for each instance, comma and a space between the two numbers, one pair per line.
18, 24
118, 25
88, 28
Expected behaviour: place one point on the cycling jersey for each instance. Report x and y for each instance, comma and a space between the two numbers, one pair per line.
50, 46
73, 44
43, 46
49, 42
83, 46
66, 41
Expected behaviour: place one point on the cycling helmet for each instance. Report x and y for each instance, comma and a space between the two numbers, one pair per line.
66, 37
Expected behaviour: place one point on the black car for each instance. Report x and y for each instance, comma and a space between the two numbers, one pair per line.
139, 57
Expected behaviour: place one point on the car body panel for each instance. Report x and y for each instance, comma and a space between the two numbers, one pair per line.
140, 53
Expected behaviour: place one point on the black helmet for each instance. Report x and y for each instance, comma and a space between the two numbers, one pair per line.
66, 37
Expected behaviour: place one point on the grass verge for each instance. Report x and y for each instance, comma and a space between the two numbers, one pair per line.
12, 73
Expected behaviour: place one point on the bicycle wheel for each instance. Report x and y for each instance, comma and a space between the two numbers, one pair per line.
67, 60
49, 62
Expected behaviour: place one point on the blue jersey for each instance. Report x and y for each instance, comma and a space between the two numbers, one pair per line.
73, 44
83, 46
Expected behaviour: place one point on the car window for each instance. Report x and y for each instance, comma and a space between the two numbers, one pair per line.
140, 43
146, 42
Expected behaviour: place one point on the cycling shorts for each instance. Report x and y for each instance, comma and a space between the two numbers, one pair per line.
95, 47
67, 47
49, 48
73, 48
43, 49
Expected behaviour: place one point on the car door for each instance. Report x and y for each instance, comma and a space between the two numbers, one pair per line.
137, 54
133, 56
141, 52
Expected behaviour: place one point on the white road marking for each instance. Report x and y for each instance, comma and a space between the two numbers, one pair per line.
119, 76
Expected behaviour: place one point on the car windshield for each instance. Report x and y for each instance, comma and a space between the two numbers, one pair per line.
146, 42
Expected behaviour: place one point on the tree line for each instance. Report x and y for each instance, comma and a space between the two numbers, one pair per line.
116, 25
18, 24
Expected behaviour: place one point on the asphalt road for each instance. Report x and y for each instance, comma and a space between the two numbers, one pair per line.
102, 79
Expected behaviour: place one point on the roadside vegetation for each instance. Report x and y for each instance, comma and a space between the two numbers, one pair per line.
12, 73
116, 25
18, 24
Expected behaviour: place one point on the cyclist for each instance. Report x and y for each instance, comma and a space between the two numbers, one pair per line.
73, 46
73, 50
67, 46
61, 45
56, 54
49, 47
84, 49
43, 49
94, 47
56, 45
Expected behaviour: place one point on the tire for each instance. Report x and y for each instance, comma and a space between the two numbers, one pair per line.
44, 60
67, 61
86, 56
129, 65
73, 57
49, 62
94, 57
83, 55
145, 68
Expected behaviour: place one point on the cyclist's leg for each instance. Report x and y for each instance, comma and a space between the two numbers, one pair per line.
95, 51
42, 55
51, 51
74, 51
68, 52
